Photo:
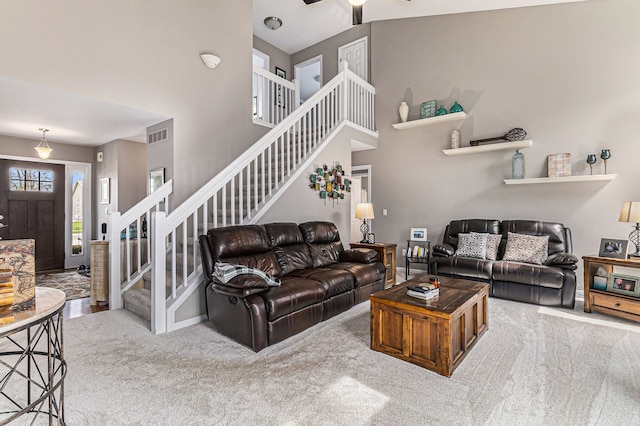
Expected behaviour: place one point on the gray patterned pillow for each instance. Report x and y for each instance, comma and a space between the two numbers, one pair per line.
493, 244
526, 248
472, 245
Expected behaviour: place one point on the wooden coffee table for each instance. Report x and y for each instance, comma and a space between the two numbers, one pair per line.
436, 334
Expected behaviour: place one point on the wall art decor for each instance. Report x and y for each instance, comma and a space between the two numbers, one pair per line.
330, 182
428, 109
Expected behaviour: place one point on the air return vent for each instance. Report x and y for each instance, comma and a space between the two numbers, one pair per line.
158, 136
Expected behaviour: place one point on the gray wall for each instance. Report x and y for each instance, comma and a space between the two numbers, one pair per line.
565, 73
21, 147
301, 204
329, 50
145, 54
277, 58
123, 163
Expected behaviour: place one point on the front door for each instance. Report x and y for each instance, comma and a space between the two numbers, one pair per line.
32, 203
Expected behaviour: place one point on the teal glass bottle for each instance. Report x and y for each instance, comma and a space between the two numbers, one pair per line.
441, 111
456, 107
517, 165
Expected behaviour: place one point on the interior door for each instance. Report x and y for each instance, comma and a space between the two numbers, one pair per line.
355, 53
32, 203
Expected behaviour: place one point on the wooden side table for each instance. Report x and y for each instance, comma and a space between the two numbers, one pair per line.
99, 272
386, 255
607, 302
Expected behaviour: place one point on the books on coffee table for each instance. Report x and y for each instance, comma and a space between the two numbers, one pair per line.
422, 292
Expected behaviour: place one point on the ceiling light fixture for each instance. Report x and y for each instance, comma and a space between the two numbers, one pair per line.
43, 147
210, 60
357, 2
272, 22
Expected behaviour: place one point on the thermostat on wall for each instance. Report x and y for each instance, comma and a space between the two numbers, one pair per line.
99, 157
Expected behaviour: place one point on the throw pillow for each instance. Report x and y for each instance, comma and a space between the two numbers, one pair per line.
526, 248
493, 244
472, 245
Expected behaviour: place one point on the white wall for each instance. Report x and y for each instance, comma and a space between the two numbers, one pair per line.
567, 74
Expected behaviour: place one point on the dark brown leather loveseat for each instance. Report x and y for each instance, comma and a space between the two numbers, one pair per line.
319, 279
552, 283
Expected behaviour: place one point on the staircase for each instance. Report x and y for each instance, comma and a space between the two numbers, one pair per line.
240, 194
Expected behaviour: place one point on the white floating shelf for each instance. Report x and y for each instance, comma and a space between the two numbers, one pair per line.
489, 147
565, 179
431, 120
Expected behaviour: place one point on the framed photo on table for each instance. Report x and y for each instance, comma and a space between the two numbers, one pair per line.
418, 234
624, 284
610, 247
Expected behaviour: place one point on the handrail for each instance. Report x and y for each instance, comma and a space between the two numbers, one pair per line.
236, 195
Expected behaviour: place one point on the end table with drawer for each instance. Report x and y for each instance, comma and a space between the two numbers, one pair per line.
386, 255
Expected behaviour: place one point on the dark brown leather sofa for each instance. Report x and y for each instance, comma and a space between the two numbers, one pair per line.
551, 284
319, 279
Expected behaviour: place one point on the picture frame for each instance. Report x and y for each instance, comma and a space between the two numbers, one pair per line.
105, 190
418, 234
156, 179
610, 247
628, 285
279, 98
428, 109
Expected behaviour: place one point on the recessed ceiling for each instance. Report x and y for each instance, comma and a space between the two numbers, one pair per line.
305, 25
70, 118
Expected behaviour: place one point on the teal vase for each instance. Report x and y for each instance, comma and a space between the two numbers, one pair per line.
517, 165
456, 108
441, 111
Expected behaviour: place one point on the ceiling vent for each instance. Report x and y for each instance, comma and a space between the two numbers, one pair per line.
158, 136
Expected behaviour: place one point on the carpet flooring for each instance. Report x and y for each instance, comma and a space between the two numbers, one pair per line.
534, 366
74, 285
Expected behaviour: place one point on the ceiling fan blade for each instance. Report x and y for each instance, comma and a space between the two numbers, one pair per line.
357, 14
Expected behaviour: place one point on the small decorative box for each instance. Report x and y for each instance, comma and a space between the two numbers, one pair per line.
559, 165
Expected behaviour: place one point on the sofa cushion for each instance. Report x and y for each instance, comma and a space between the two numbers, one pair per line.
292, 295
363, 274
324, 242
246, 245
289, 247
333, 281
464, 267
525, 273
472, 245
526, 248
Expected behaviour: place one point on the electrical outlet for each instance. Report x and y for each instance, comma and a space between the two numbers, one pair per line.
404, 252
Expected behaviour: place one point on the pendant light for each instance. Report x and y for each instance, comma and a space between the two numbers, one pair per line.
43, 147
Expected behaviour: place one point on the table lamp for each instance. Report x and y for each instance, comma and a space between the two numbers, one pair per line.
364, 211
631, 213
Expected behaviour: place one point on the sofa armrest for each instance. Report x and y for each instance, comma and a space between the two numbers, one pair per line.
443, 250
562, 260
359, 255
242, 285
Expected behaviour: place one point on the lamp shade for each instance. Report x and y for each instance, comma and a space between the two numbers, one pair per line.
364, 211
630, 212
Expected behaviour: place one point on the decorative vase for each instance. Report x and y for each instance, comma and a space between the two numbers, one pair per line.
605, 154
517, 165
404, 112
456, 108
441, 111
455, 139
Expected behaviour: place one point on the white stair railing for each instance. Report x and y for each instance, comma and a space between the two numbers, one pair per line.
240, 194
274, 98
130, 240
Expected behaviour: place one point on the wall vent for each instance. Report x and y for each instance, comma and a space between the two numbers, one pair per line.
158, 136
